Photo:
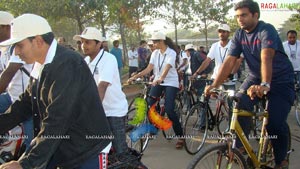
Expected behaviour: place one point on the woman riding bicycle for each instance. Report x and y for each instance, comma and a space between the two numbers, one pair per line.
162, 62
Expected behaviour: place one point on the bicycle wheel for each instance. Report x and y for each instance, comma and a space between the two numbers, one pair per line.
216, 156
142, 143
195, 128
222, 119
170, 134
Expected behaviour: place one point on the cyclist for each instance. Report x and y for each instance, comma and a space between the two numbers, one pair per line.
104, 68
70, 127
269, 71
162, 62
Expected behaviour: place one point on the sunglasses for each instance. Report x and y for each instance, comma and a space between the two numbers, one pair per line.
155, 41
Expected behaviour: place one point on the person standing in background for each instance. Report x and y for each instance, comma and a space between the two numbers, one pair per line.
117, 52
133, 60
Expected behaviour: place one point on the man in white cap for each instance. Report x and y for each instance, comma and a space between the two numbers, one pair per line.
14, 78
70, 127
218, 52
104, 68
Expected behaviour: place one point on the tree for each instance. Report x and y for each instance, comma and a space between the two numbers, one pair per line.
205, 13
296, 17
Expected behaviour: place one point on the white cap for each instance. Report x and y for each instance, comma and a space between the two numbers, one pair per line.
158, 36
90, 33
150, 42
5, 18
25, 26
189, 46
224, 27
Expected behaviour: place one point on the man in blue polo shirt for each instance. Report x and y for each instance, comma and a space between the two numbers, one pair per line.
270, 71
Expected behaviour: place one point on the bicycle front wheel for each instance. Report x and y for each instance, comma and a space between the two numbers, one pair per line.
217, 156
142, 143
195, 128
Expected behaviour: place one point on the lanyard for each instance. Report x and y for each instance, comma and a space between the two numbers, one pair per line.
222, 58
293, 56
98, 62
160, 66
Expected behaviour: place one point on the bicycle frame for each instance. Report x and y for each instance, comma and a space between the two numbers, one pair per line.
237, 129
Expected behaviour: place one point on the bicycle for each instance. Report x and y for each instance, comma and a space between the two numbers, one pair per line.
226, 155
169, 134
201, 119
297, 98
12, 144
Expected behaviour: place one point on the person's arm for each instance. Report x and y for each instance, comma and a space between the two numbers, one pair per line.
102, 86
59, 92
223, 73
237, 66
8, 74
163, 75
267, 55
202, 67
183, 64
18, 112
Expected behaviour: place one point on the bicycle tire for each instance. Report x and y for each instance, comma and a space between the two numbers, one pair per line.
170, 134
222, 119
210, 156
142, 143
195, 137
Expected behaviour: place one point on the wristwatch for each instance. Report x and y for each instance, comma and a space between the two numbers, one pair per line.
265, 84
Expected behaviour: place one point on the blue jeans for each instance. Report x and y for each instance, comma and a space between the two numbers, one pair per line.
117, 126
170, 95
5, 102
280, 100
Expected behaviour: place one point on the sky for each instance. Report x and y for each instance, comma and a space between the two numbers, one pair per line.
272, 11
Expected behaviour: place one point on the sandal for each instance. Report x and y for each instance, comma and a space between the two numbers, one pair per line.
284, 165
180, 144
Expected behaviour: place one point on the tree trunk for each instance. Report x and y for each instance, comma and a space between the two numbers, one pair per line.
123, 39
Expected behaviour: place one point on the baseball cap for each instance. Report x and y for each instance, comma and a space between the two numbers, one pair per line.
5, 18
90, 33
150, 42
158, 36
189, 46
224, 27
25, 26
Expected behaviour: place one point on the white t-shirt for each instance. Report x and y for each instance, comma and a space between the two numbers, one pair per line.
293, 52
105, 68
218, 53
159, 61
133, 58
20, 81
182, 56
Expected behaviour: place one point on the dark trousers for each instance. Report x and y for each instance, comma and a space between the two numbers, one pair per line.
132, 70
170, 95
280, 100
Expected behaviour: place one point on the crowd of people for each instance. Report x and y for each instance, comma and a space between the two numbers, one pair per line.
55, 91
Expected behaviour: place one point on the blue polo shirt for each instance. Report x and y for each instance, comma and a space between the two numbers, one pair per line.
117, 52
251, 44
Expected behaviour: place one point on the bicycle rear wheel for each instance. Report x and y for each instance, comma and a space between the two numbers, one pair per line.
217, 156
195, 128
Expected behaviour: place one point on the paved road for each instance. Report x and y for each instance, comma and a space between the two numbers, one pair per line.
162, 154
